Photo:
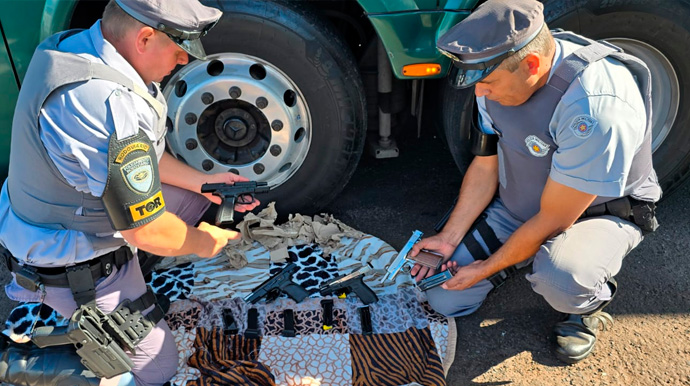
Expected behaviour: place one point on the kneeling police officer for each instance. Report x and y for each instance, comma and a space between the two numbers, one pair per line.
89, 175
562, 176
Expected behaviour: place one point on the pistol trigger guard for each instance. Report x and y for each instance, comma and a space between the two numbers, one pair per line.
272, 295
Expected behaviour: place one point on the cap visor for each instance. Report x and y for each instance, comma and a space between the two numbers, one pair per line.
194, 48
461, 78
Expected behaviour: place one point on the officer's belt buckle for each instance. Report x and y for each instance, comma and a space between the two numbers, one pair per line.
28, 278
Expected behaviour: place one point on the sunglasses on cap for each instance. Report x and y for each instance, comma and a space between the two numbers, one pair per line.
464, 75
188, 40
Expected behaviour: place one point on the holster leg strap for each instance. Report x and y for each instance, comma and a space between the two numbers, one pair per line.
493, 244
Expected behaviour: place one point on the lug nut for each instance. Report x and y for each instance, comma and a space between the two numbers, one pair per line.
234, 171
235, 92
261, 102
190, 118
259, 168
191, 144
276, 150
207, 165
207, 98
277, 125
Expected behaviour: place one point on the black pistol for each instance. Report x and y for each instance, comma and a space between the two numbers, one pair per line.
353, 282
228, 195
280, 282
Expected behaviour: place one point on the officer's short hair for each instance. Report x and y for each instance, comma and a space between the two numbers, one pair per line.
116, 22
541, 44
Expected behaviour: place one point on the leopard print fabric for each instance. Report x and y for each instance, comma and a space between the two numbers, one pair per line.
22, 317
314, 268
174, 283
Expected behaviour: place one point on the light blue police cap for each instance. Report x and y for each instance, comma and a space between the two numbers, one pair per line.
494, 31
184, 21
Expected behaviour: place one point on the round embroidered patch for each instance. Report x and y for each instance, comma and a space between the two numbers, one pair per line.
536, 146
583, 125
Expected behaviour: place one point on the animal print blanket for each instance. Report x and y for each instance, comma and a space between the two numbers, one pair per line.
410, 344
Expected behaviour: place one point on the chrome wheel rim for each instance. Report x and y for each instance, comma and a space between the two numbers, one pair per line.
238, 113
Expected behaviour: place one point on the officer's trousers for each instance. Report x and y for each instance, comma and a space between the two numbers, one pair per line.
157, 359
570, 270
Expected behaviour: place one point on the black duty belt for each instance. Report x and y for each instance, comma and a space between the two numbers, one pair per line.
32, 278
640, 213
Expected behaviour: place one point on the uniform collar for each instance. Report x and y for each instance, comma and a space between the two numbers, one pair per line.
556, 59
107, 52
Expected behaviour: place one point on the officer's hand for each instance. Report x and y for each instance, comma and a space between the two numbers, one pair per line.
437, 243
244, 203
220, 238
463, 277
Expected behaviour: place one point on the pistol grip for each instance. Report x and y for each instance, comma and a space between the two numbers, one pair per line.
226, 211
429, 259
296, 292
365, 294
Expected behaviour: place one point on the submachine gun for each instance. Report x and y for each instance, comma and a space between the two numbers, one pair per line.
354, 282
229, 195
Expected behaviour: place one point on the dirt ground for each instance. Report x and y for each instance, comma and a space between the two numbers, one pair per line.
508, 341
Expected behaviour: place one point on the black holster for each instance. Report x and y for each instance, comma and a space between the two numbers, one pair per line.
641, 213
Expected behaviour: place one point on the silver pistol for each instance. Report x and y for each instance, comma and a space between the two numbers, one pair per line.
404, 262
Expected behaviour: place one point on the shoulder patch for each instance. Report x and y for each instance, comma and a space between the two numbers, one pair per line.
536, 146
138, 174
582, 126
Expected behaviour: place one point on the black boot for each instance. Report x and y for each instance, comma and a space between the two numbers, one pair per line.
577, 334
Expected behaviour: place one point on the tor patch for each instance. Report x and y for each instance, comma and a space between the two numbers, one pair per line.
583, 126
138, 174
536, 146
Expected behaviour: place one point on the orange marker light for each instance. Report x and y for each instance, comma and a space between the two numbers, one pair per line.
422, 69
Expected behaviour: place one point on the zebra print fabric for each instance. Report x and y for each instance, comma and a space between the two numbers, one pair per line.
396, 359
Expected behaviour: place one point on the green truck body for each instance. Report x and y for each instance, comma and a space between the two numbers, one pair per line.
358, 50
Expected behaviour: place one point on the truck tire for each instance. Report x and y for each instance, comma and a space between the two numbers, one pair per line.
656, 32
280, 100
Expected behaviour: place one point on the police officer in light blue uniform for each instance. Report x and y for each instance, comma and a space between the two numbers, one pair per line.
564, 138
89, 174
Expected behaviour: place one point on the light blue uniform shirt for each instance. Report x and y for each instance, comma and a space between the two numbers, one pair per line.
76, 122
605, 97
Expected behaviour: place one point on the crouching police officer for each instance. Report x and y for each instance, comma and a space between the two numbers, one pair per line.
88, 174
564, 136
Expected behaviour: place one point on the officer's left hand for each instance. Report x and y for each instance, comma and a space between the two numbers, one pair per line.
463, 277
230, 178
